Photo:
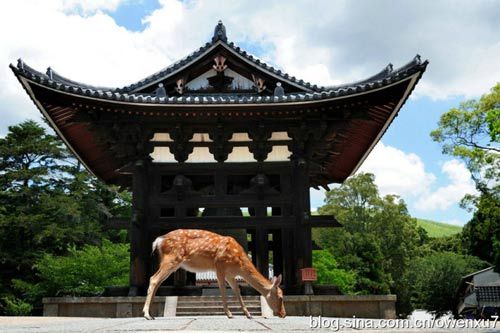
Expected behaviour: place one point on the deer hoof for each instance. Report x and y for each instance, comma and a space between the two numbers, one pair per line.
249, 316
229, 314
149, 317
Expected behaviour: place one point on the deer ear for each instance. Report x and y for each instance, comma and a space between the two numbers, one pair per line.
276, 281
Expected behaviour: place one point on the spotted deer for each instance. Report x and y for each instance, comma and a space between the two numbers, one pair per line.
200, 250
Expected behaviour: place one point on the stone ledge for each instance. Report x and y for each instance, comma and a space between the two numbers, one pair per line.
344, 298
361, 306
98, 299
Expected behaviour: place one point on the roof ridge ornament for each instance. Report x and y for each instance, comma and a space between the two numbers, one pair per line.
160, 91
219, 32
279, 91
50, 73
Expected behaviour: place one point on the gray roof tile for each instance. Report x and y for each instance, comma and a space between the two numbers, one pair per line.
54, 80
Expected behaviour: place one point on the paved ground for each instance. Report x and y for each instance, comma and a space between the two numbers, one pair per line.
212, 324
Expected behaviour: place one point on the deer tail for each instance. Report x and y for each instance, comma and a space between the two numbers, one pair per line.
156, 244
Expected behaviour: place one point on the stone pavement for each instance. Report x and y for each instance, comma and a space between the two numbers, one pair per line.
200, 324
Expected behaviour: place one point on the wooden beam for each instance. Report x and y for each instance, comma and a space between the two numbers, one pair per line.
223, 222
324, 221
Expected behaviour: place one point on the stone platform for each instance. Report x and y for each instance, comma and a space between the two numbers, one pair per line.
361, 306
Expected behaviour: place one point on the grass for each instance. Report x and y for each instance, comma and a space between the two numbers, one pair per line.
438, 229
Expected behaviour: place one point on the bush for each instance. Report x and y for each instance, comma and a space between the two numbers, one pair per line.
329, 273
84, 272
16, 307
436, 277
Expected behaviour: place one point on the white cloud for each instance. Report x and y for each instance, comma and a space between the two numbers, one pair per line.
90, 49
404, 174
397, 172
446, 196
87, 7
334, 42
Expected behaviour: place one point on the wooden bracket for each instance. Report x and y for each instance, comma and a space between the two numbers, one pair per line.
180, 86
220, 65
259, 83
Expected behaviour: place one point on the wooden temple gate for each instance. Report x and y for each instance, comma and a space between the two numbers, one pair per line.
222, 141
267, 201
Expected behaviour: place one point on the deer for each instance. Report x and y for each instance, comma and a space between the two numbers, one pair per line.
198, 251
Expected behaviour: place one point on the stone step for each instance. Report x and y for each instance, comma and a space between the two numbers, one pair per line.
256, 298
215, 309
216, 313
212, 305
204, 303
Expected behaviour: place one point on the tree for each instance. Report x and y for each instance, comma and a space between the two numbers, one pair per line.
330, 273
378, 239
471, 133
433, 280
48, 204
29, 160
85, 272
481, 235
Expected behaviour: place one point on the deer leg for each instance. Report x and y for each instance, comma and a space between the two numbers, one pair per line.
222, 288
236, 288
168, 265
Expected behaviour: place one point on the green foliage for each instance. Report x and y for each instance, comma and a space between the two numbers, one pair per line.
48, 203
378, 239
433, 280
16, 307
437, 229
28, 157
482, 233
491, 103
84, 272
451, 243
329, 273
470, 132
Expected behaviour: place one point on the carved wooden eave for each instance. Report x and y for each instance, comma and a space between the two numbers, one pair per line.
345, 121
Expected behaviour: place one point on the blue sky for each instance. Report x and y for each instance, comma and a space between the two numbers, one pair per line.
116, 42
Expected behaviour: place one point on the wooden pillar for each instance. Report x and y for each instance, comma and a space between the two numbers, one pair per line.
303, 241
251, 246
262, 251
138, 230
277, 253
288, 250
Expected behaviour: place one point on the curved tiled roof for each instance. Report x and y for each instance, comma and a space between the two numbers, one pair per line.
375, 102
57, 82
130, 92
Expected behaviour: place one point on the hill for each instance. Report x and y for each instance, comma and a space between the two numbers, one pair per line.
438, 229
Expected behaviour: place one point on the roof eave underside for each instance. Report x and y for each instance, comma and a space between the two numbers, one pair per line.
414, 80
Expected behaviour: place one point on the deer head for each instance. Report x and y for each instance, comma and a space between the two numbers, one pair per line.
275, 298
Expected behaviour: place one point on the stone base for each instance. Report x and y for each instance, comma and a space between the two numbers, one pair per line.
162, 291
361, 306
